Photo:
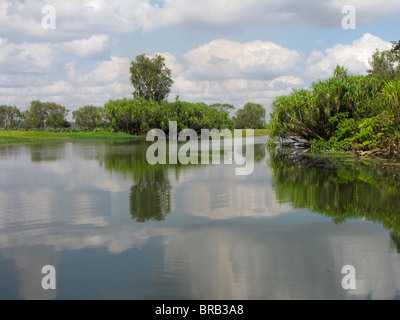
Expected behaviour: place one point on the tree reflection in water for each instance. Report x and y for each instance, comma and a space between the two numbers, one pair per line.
339, 186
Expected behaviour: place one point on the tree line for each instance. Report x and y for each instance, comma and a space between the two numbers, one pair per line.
346, 112
148, 109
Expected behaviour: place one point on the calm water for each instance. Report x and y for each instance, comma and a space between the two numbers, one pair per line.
115, 227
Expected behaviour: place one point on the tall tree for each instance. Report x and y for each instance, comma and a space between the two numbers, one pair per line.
150, 78
252, 116
10, 115
46, 114
87, 117
57, 115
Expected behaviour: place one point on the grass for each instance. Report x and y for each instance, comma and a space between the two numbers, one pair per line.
35, 136
261, 132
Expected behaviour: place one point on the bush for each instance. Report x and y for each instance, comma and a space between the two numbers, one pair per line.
341, 113
138, 116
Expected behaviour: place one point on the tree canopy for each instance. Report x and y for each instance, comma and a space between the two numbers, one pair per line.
150, 78
87, 117
252, 116
46, 114
10, 115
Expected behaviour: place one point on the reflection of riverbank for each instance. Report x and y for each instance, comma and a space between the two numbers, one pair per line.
338, 187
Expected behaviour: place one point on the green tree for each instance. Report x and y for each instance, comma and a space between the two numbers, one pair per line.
46, 114
223, 107
87, 117
56, 117
396, 48
150, 78
36, 116
251, 116
340, 72
10, 115
385, 64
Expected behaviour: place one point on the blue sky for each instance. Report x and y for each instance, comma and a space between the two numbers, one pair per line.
219, 50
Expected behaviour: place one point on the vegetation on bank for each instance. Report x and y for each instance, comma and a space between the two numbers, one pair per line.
346, 112
18, 136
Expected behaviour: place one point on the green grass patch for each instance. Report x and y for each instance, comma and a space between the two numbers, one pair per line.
35, 136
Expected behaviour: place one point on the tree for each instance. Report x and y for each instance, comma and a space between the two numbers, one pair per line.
150, 78
340, 72
251, 116
87, 117
46, 114
10, 115
396, 48
56, 117
386, 63
223, 107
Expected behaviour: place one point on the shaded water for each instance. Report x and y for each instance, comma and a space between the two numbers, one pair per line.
115, 227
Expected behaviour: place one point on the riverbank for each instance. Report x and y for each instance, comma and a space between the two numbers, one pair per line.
35, 136
40, 136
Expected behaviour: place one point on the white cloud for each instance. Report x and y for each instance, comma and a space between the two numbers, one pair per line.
87, 47
113, 71
26, 57
355, 57
235, 73
75, 19
221, 59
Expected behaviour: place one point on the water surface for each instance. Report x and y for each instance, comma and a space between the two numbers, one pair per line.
115, 227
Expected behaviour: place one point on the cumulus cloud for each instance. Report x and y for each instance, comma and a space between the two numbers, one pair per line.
236, 73
222, 58
26, 57
355, 57
87, 47
75, 19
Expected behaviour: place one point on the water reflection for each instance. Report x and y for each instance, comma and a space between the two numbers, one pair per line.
339, 187
208, 234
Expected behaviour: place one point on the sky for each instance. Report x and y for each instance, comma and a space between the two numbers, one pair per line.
78, 52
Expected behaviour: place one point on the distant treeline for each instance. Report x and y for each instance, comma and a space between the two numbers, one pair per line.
346, 112
134, 116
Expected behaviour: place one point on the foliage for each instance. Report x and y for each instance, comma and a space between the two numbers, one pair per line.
150, 78
138, 116
11, 116
223, 107
88, 117
344, 112
58, 134
252, 116
384, 64
46, 114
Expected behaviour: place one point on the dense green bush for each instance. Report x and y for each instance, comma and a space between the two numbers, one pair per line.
345, 113
138, 116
